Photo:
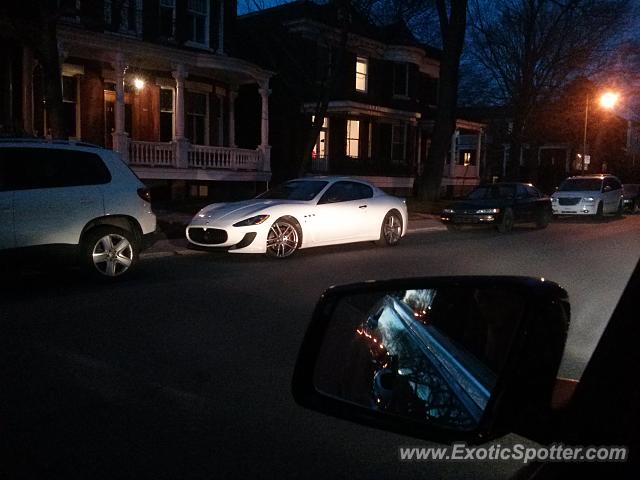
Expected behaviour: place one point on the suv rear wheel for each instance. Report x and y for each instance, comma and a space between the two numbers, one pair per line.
109, 252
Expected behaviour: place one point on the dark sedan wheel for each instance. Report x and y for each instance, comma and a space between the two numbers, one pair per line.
600, 211
391, 229
543, 218
506, 225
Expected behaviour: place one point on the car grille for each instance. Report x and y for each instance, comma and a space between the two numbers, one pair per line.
568, 201
208, 236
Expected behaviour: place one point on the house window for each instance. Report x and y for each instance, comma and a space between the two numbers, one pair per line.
401, 79
167, 18
196, 117
399, 143
362, 68
466, 159
166, 114
121, 15
70, 105
197, 21
321, 147
353, 138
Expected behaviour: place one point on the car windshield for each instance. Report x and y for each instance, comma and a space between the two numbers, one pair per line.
296, 190
492, 192
581, 185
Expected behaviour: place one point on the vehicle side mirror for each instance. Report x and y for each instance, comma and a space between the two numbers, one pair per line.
443, 359
606, 188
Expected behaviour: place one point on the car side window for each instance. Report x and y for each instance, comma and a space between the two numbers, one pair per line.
615, 184
33, 168
532, 191
521, 192
345, 192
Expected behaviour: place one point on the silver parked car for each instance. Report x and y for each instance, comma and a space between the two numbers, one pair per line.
76, 195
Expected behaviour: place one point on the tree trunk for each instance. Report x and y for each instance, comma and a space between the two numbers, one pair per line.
329, 89
453, 28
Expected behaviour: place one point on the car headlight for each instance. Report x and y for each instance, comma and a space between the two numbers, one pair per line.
488, 210
554, 199
448, 210
589, 199
257, 220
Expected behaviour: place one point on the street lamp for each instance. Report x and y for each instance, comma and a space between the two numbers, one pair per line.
607, 100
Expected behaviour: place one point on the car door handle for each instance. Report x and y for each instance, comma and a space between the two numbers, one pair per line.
362, 206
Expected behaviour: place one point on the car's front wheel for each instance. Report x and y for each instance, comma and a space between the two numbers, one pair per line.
506, 225
109, 252
600, 211
391, 229
283, 239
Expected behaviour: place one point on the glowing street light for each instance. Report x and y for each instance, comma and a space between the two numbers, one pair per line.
607, 100
138, 83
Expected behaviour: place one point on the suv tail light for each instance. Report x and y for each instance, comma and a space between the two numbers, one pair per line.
145, 194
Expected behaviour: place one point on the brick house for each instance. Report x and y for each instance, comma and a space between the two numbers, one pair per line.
383, 93
157, 81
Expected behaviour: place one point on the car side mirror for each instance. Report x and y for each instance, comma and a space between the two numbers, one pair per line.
606, 188
443, 359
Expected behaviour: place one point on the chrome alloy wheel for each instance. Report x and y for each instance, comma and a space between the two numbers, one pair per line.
112, 255
282, 239
392, 229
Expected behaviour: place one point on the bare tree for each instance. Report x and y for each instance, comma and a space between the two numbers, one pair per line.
452, 16
531, 49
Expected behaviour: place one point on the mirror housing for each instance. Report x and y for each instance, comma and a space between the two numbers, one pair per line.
520, 398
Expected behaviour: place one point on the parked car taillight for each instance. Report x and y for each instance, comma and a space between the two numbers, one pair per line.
145, 194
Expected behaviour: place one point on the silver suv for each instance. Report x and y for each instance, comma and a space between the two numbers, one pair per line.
75, 195
588, 195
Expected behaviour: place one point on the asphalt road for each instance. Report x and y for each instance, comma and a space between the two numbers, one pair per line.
183, 370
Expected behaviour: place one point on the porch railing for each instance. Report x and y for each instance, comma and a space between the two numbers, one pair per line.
160, 154
204, 156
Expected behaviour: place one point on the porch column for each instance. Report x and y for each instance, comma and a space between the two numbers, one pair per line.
454, 153
120, 137
264, 144
181, 144
233, 94
478, 152
27, 90
419, 157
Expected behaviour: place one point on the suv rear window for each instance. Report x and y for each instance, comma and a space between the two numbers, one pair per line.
31, 168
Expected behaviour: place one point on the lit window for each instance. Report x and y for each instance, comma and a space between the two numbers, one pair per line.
353, 138
467, 159
362, 66
320, 149
197, 21
399, 143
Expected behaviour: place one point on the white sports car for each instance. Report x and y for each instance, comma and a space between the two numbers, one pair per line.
301, 213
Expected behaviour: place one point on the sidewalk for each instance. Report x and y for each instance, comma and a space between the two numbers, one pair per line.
171, 240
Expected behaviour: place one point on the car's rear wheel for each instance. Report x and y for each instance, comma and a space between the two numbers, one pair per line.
636, 207
506, 225
543, 218
391, 229
283, 239
109, 252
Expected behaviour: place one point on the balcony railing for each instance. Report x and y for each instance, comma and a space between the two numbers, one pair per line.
203, 156
152, 154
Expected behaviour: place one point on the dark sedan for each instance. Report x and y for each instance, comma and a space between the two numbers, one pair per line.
631, 197
501, 205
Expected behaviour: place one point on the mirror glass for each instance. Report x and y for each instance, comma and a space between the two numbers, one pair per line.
433, 355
